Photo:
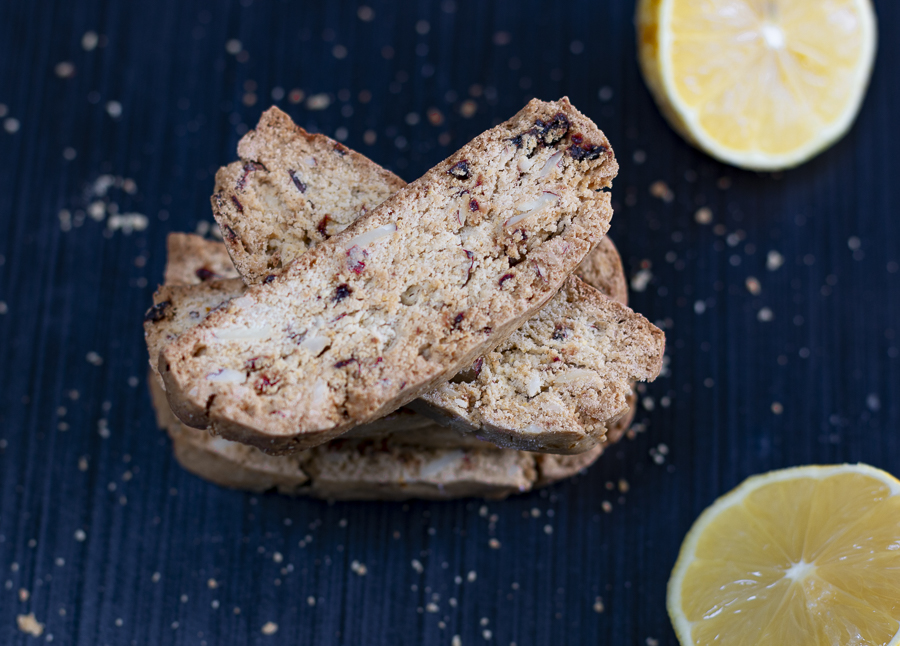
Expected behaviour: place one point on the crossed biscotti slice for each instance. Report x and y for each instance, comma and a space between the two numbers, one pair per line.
290, 191
559, 381
411, 293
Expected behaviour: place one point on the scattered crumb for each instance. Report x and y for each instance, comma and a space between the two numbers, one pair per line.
777, 408
471, 576
64, 69
660, 190
11, 125
765, 315
269, 628
234, 47
873, 402
114, 109
417, 566
23, 594
598, 605
310, 600
80, 536
456, 641
318, 101
212, 584
753, 285
607, 506
89, 41
359, 568
468, 108
774, 260
704, 215
494, 544
641, 279
28, 624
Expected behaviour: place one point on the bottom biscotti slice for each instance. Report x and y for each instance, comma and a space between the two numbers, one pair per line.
558, 382
391, 467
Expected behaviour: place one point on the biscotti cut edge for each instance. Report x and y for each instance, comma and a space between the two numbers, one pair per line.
509, 286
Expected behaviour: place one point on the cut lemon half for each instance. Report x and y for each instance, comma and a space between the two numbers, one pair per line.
761, 84
802, 557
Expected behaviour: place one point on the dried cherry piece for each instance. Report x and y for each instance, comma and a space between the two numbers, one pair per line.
297, 181
237, 203
504, 278
158, 312
249, 167
580, 150
205, 274
341, 292
460, 170
230, 234
560, 333
473, 205
269, 278
322, 227
456, 321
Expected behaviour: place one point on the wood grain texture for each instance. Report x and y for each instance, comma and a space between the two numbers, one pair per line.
154, 536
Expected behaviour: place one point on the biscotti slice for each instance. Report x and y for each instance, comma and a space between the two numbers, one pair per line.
178, 308
559, 381
291, 190
192, 259
386, 469
369, 319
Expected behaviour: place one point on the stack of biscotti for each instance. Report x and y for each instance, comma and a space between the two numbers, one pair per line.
453, 294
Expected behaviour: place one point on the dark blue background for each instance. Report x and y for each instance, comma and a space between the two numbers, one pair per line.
817, 383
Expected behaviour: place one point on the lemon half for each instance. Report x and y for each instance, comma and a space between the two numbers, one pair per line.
760, 84
807, 556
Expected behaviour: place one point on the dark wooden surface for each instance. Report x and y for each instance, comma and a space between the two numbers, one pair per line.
107, 541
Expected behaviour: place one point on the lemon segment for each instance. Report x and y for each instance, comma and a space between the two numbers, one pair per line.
762, 84
809, 555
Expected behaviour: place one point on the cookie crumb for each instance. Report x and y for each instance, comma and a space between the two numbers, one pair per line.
598, 605
660, 190
753, 285
703, 215
269, 628
28, 624
774, 260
